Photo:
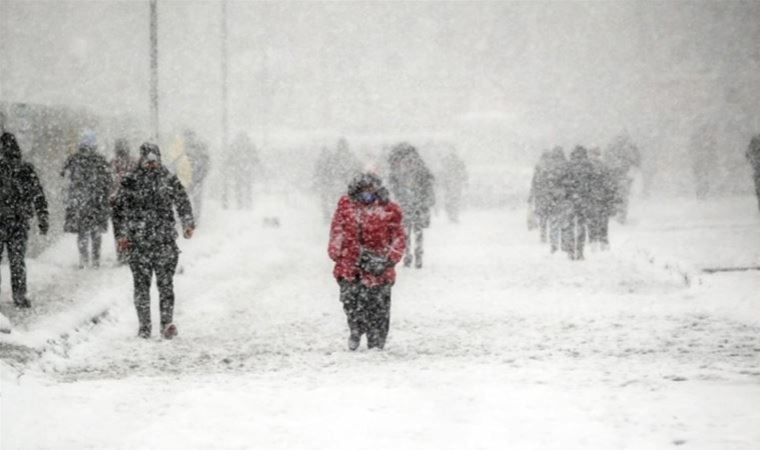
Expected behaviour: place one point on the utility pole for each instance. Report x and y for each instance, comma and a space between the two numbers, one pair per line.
225, 117
154, 69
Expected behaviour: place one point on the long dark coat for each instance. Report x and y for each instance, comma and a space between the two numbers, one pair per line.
87, 207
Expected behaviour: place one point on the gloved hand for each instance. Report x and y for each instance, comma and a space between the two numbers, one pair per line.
188, 232
122, 244
44, 227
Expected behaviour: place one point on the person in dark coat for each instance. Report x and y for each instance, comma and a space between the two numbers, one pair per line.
121, 165
554, 203
145, 205
21, 197
753, 157
576, 180
366, 242
87, 208
412, 186
603, 201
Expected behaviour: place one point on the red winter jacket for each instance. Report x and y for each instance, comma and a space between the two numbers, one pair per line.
381, 233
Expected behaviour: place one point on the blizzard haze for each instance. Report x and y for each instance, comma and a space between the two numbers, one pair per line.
502, 80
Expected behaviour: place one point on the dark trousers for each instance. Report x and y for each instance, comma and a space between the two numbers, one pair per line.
598, 228
368, 310
163, 263
85, 239
413, 229
574, 235
13, 237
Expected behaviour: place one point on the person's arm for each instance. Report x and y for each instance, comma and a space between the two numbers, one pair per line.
183, 206
398, 238
39, 201
337, 232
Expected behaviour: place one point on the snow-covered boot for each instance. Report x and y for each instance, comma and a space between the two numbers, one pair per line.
353, 341
143, 332
169, 331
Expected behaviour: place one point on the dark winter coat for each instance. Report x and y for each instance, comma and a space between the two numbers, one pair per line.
145, 205
87, 206
21, 194
753, 153
603, 193
412, 186
577, 181
376, 227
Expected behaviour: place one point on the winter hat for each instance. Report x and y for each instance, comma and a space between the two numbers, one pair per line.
89, 140
363, 181
149, 152
9, 148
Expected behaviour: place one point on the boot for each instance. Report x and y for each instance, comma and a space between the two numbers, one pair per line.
354, 339
169, 331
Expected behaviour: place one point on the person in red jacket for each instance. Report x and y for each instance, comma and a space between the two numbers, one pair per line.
366, 242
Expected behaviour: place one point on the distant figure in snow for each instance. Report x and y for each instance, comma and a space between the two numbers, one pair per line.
412, 186
121, 165
753, 157
539, 200
602, 202
453, 179
87, 204
200, 162
145, 204
621, 156
21, 197
576, 180
241, 166
366, 242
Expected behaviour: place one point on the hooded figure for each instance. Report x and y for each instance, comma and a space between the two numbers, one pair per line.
412, 185
21, 197
87, 206
145, 204
366, 242
577, 183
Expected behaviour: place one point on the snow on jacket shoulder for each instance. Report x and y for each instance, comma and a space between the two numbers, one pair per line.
376, 227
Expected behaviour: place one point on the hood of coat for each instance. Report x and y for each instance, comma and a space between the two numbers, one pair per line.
9, 148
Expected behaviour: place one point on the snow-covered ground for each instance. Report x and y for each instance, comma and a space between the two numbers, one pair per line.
494, 344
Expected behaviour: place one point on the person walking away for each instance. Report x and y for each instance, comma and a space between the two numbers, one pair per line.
241, 166
87, 208
366, 242
121, 165
412, 186
200, 164
753, 156
603, 201
555, 198
21, 197
145, 204
538, 198
577, 181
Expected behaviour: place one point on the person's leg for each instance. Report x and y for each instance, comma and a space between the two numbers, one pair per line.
166, 266
141, 277
408, 248
97, 241
16, 257
757, 186
82, 244
604, 231
580, 227
349, 297
379, 314
419, 250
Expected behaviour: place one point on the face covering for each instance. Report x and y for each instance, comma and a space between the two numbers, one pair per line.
367, 197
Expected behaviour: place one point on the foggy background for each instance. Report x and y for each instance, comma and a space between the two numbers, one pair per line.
500, 80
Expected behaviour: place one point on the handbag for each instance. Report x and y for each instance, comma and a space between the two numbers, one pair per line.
369, 261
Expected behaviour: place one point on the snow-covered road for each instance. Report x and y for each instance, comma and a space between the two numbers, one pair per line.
494, 344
